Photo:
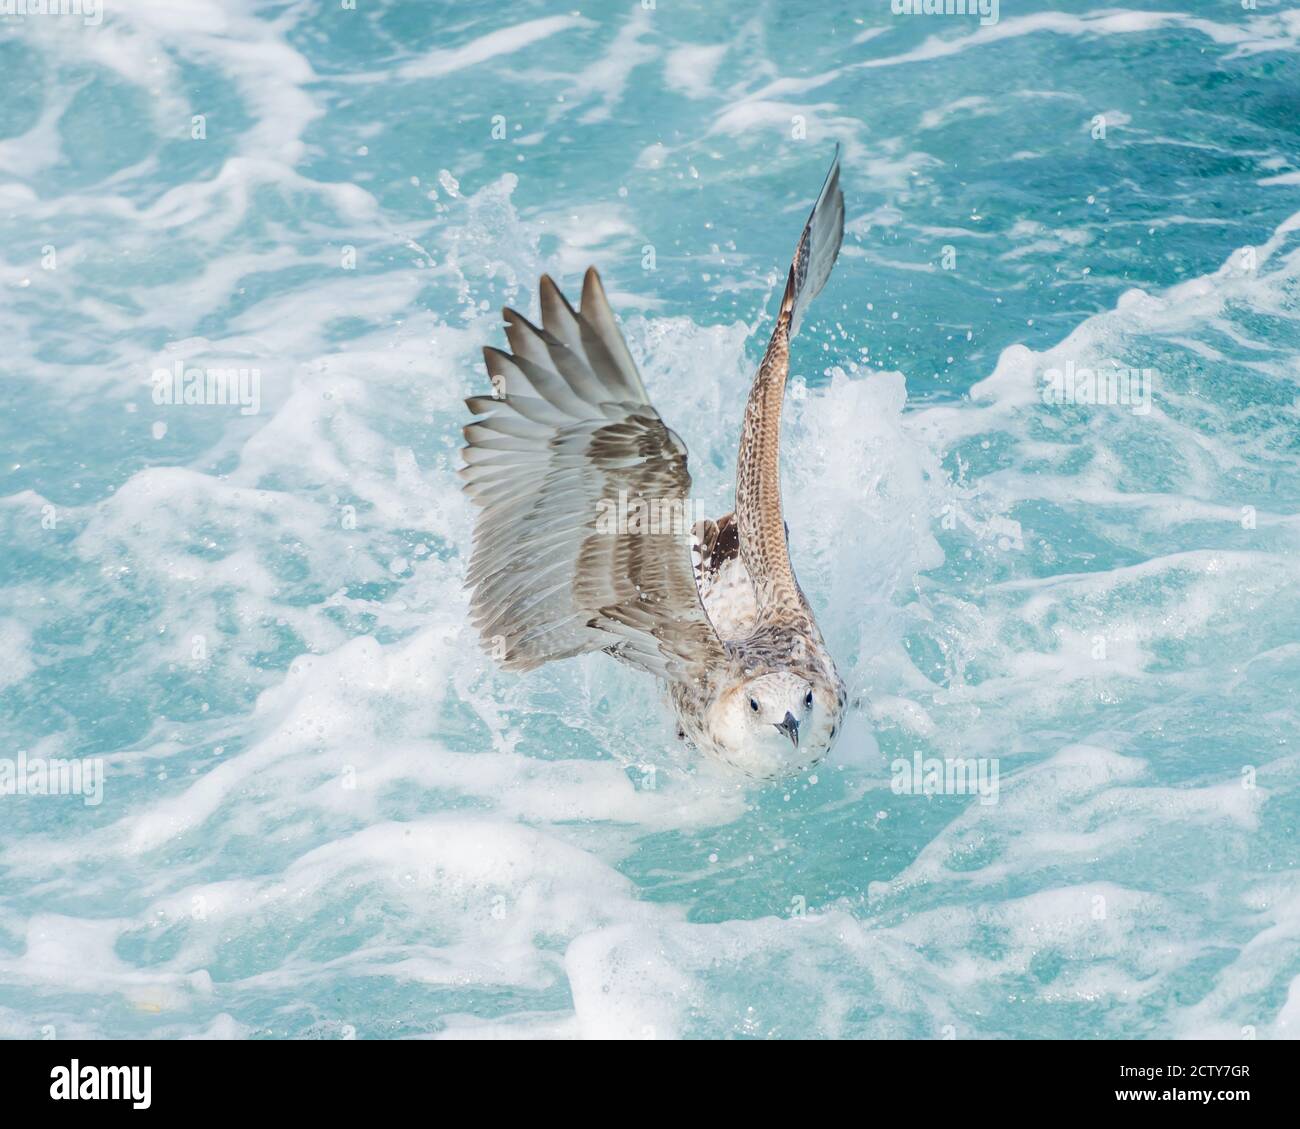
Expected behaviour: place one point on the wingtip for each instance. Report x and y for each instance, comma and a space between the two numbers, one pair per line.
819, 247
832, 173
593, 290
550, 293
483, 405
494, 356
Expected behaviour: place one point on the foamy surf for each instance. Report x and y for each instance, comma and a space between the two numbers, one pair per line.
326, 813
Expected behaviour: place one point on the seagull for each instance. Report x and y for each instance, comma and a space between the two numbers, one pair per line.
712, 610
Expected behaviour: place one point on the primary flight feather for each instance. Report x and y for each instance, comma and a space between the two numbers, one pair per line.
722, 620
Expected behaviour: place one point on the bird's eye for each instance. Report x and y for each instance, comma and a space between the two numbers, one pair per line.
808, 700
753, 704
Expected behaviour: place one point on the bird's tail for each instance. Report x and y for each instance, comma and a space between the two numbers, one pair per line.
818, 248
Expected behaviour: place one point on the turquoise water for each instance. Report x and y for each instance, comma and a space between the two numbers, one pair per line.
325, 813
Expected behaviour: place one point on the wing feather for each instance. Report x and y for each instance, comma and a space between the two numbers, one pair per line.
569, 432
764, 547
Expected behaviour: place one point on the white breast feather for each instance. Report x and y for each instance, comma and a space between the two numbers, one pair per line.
727, 596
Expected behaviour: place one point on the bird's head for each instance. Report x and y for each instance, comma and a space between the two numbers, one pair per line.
770, 725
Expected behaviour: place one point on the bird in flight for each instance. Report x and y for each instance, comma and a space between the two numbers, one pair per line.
717, 615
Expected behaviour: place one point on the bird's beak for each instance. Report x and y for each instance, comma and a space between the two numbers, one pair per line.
790, 727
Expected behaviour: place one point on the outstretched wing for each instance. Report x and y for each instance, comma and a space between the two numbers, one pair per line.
763, 543
582, 540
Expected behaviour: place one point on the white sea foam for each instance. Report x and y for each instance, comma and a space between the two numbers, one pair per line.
504, 42
335, 788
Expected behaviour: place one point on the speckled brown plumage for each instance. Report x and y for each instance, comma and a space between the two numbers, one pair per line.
569, 430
